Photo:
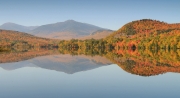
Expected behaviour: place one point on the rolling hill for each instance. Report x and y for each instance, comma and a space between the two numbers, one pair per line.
97, 34
145, 27
15, 38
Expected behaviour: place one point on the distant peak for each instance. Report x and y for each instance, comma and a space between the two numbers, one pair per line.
8, 23
70, 21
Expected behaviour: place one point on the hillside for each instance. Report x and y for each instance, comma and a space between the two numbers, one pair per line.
15, 38
145, 27
97, 34
146, 34
17, 27
65, 30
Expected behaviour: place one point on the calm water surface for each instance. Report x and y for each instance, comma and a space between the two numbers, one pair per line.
66, 76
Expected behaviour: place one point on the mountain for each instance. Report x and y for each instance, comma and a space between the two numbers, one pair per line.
61, 30
97, 34
65, 30
17, 27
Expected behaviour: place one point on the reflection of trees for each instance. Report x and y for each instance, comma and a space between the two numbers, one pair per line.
4, 49
147, 62
20, 55
140, 62
87, 51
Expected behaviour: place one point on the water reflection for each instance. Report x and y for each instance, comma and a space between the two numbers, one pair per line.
51, 60
138, 62
148, 62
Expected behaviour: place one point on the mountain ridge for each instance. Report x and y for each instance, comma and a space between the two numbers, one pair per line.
60, 30
69, 28
17, 27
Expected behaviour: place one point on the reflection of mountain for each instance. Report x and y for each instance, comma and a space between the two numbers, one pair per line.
64, 63
69, 64
16, 65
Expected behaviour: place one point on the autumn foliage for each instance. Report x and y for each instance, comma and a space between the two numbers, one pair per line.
15, 39
143, 47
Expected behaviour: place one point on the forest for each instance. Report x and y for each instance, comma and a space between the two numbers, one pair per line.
141, 34
11, 39
143, 47
140, 62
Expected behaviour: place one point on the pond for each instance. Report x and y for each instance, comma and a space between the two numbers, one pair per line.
51, 74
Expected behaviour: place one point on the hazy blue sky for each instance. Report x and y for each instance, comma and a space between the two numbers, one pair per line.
110, 14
